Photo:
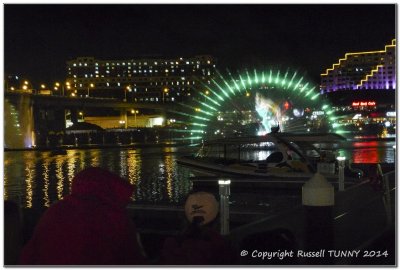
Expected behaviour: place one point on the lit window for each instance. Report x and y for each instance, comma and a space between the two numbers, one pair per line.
119, 84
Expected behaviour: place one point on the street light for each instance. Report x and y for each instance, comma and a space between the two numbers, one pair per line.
88, 89
82, 117
129, 88
164, 92
25, 86
134, 112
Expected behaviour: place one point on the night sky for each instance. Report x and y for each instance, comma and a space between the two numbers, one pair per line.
39, 38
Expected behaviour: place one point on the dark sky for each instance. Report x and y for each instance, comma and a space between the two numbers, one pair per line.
39, 38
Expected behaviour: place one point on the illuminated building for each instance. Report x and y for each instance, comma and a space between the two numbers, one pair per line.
362, 70
140, 80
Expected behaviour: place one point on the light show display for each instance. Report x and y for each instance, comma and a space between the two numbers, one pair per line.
256, 103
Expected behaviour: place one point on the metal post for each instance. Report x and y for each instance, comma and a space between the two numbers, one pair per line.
318, 197
224, 193
394, 154
341, 163
224, 151
386, 199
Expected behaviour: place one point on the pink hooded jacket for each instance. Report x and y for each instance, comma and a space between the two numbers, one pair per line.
89, 227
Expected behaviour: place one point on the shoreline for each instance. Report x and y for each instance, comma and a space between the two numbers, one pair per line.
154, 144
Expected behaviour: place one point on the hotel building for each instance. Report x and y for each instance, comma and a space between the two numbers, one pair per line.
369, 108
158, 80
362, 70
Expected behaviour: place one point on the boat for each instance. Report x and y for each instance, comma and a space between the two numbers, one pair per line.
274, 156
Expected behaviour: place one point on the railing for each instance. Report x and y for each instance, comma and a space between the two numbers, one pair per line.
224, 193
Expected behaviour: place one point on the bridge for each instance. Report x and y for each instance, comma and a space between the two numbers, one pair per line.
25, 113
51, 101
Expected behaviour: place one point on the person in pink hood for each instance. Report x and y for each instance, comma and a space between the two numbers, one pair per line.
88, 227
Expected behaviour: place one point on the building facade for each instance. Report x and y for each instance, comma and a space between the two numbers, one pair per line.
362, 70
158, 80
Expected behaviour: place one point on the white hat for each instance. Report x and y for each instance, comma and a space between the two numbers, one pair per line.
201, 204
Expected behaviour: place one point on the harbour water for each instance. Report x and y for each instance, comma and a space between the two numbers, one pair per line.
36, 179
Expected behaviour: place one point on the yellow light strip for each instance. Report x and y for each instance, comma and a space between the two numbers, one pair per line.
369, 75
357, 53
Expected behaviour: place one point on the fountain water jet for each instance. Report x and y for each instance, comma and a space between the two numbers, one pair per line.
18, 124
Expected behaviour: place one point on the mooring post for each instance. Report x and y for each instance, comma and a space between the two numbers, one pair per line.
224, 193
318, 197
394, 154
341, 163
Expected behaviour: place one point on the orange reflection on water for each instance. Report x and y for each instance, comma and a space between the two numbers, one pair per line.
95, 158
60, 178
46, 182
169, 166
30, 173
71, 169
134, 165
123, 162
5, 193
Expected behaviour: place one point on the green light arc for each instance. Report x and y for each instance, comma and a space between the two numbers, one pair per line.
221, 90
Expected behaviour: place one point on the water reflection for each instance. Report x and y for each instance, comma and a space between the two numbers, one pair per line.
37, 179
30, 173
60, 178
370, 152
168, 161
46, 183
71, 167
134, 173
41, 178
